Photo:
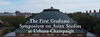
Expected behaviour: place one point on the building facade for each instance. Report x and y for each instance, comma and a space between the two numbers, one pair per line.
93, 13
18, 13
7, 14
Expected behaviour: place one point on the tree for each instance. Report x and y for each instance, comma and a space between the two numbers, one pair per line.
11, 21
90, 23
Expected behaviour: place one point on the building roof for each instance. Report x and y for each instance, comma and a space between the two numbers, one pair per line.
48, 14
56, 14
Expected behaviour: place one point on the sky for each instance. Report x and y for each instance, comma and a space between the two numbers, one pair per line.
37, 6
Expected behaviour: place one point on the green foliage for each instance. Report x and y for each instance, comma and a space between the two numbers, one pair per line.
12, 20
90, 23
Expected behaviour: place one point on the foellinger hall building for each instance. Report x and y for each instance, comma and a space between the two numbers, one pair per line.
48, 14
